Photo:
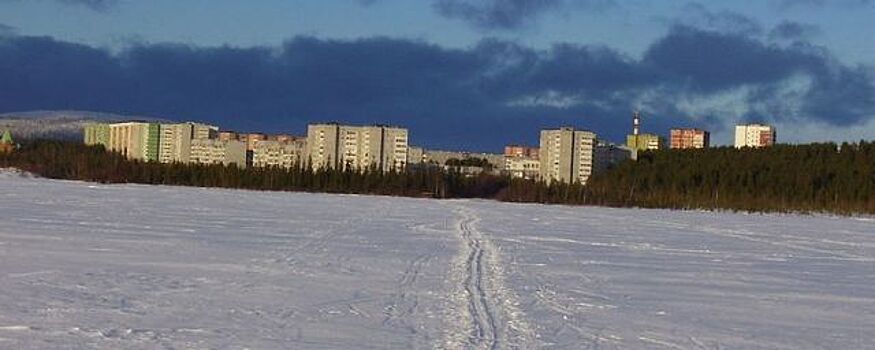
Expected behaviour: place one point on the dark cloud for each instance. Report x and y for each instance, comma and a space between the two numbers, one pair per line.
789, 30
495, 14
699, 16
97, 5
508, 14
790, 4
7, 30
478, 98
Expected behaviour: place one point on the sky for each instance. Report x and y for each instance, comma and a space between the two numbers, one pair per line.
460, 74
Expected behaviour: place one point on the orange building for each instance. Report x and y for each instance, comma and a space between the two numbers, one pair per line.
227, 136
251, 139
521, 151
690, 138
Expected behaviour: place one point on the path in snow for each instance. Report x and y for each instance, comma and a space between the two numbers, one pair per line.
486, 305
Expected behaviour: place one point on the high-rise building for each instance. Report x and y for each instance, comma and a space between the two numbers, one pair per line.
175, 140
754, 135
97, 134
135, 140
204, 131
690, 138
288, 153
357, 147
215, 151
568, 155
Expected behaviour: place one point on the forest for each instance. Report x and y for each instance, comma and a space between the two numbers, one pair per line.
808, 178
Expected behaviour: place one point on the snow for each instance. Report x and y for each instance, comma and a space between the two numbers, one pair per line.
150, 267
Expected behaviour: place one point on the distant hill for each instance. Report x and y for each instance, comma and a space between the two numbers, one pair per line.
58, 125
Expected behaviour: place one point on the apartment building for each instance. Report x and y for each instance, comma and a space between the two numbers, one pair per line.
283, 153
522, 167
97, 134
357, 147
175, 140
215, 151
754, 135
251, 139
520, 151
204, 131
638, 141
569, 155
135, 140
644, 142
522, 161
689, 138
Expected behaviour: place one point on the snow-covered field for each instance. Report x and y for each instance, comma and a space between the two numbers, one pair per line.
85, 266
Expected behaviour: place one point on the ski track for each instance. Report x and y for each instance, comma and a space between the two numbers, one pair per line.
484, 334
488, 308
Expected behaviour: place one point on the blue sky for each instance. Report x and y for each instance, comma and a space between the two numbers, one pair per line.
460, 73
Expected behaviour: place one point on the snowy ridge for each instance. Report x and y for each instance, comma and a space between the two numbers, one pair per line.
61, 125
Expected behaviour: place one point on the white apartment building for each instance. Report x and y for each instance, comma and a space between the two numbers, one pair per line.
283, 154
135, 140
754, 135
175, 140
522, 167
214, 151
357, 147
569, 155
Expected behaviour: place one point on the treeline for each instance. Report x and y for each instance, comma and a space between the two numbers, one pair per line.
784, 178
75, 161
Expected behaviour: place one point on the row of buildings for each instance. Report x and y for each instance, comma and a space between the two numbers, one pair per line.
746, 135
326, 145
564, 154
